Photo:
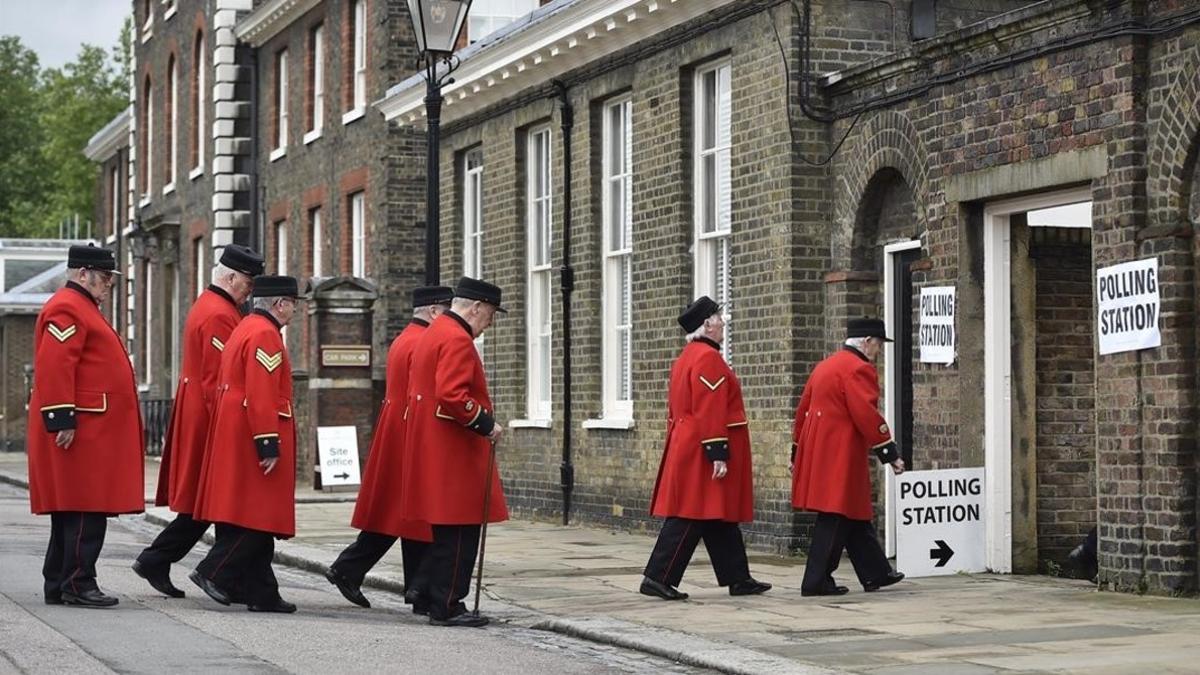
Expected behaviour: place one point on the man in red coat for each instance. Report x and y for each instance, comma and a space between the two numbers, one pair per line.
248, 479
450, 475
84, 434
704, 487
837, 424
209, 323
377, 512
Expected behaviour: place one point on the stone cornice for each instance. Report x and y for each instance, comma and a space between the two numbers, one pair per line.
111, 138
554, 40
270, 18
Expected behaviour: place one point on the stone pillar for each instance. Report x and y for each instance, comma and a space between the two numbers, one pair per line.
340, 391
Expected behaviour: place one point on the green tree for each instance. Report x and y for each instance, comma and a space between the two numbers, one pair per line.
21, 162
77, 100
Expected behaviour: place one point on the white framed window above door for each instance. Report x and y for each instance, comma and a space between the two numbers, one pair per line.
539, 209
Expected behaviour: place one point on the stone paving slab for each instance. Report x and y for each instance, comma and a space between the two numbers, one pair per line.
577, 578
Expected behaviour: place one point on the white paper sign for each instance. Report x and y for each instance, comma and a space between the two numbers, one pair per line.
939, 522
936, 333
1128, 312
337, 451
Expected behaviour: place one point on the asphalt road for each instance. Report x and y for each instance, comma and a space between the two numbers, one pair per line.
149, 633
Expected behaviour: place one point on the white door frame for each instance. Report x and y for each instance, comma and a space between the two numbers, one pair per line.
997, 378
889, 385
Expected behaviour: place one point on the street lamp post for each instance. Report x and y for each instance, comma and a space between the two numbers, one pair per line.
437, 25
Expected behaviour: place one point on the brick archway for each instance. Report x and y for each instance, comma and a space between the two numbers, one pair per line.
1174, 137
887, 140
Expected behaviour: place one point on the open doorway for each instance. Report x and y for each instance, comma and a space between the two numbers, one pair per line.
1039, 372
898, 259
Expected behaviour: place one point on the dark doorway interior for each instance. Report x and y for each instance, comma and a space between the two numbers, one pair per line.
901, 365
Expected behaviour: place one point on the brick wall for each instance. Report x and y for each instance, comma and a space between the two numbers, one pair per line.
16, 343
1066, 395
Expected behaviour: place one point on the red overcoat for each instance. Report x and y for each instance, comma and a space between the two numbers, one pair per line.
705, 419
378, 506
449, 417
82, 380
209, 324
252, 417
837, 425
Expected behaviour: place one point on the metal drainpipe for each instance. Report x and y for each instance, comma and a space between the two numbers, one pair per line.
567, 469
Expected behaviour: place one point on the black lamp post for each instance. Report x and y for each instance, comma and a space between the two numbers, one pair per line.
437, 25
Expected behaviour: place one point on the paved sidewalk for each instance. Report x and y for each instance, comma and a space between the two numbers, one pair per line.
583, 581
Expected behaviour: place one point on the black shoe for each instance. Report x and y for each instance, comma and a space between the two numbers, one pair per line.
211, 589
53, 598
750, 586
279, 606
660, 590
160, 580
92, 597
464, 620
891, 578
349, 590
827, 589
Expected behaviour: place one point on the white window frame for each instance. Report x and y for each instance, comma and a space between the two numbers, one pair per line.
617, 378
114, 200
281, 104
487, 17
281, 248
173, 151
199, 268
148, 177
473, 213
147, 319
316, 85
318, 247
714, 243
358, 233
201, 107
540, 314
360, 55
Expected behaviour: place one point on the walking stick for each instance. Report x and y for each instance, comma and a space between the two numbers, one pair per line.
487, 498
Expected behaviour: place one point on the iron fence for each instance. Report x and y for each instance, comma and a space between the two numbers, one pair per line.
156, 415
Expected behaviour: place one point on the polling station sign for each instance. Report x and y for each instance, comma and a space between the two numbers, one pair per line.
936, 333
939, 522
1127, 315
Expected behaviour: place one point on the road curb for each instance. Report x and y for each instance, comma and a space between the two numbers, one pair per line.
684, 648
14, 481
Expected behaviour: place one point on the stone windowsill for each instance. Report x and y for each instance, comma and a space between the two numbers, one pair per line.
277, 153
196, 172
353, 115
145, 201
170, 12
310, 136
169, 188
609, 423
530, 424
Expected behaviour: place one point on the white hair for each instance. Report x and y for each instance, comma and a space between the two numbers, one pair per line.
264, 303
459, 305
859, 343
220, 271
425, 311
699, 332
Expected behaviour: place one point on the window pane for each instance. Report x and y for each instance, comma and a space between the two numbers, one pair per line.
708, 121
616, 213
709, 186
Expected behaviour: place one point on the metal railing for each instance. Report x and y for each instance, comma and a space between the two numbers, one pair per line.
156, 415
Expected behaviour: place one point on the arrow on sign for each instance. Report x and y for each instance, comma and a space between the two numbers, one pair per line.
342, 475
942, 554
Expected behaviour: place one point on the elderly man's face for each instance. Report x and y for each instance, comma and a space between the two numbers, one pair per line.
872, 347
715, 328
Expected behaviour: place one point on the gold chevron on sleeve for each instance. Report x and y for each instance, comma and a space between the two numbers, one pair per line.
63, 334
712, 385
268, 361
218, 344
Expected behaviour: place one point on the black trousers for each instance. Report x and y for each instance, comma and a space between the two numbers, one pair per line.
240, 563
369, 548
444, 576
173, 543
76, 538
677, 542
833, 533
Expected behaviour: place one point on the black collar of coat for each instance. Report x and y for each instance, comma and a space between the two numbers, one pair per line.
857, 353
86, 293
420, 322
710, 343
462, 322
221, 292
263, 312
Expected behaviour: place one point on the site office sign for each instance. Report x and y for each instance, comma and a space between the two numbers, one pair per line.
940, 527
